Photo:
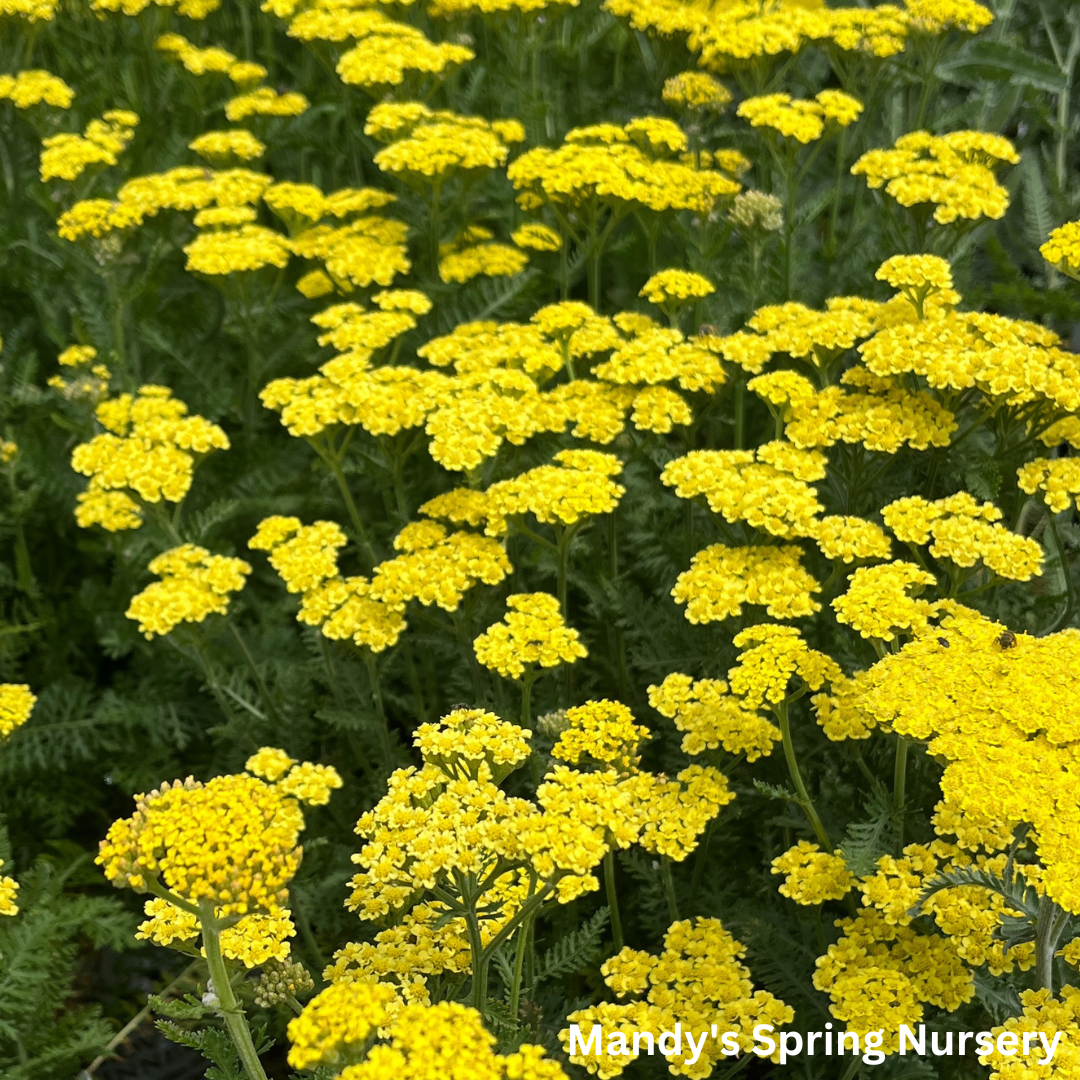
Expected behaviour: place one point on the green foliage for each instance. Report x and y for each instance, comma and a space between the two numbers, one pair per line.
41, 1034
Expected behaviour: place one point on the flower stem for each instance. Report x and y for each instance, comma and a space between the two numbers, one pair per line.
260, 684
613, 900
519, 967
669, 888
804, 799
380, 711
900, 785
232, 1012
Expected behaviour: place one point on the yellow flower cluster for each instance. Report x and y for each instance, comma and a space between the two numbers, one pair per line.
712, 717
849, 538
533, 632
954, 173
429, 146
148, 453
731, 37
695, 90
577, 486
603, 731
229, 844
812, 876
211, 60
804, 121
193, 585
1042, 1012
338, 1028
1057, 479
461, 263
190, 9
305, 556
471, 743
880, 603
26, 89
222, 148
964, 532
16, 704
676, 287
632, 167
697, 981
881, 973
67, 156
537, 236
766, 488
769, 657
975, 702
722, 579
437, 566
1062, 249
9, 888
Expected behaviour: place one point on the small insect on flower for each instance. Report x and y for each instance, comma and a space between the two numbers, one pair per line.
707, 330
1007, 640
943, 642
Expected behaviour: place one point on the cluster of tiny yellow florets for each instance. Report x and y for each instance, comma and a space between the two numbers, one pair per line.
148, 454
193, 585
16, 704
533, 632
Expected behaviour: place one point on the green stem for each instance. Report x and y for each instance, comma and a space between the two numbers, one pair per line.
796, 778
669, 888
231, 1010
380, 711
332, 462
527, 680
564, 538
613, 900
900, 786
740, 412
479, 962
260, 684
519, 967
1070, 592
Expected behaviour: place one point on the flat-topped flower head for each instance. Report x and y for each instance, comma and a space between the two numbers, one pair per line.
676, 287
465, 739
695, 90
193, 585
1062, 249
812, 875
603, 731
533, 633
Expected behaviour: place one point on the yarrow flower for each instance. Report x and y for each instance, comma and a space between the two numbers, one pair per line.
533, 632
193, 585
697, 979
148, 454
9, 888
16, 704
229, 844
812, 876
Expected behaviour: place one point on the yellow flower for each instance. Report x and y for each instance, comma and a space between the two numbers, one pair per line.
16, 704
9, 887
812, 875
230, 843
533, 632
676, 287
193, 585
